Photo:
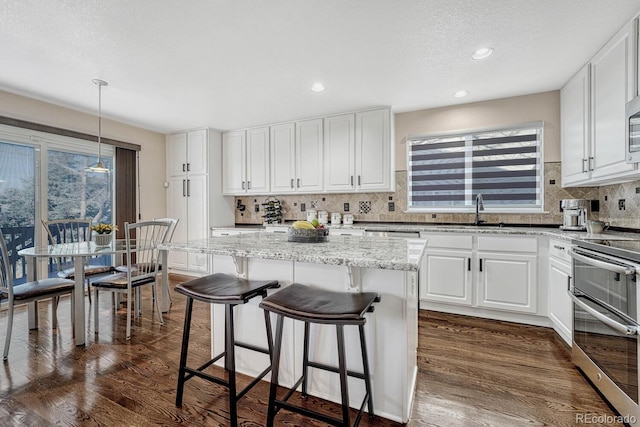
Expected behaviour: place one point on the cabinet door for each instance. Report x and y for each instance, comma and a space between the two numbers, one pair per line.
507, 281
339, 150
176, 154
611, 87
309, 156
560, 304
373, 151
283, 158
197, 219
575, 128
233, 162
197, 151
177, 208
445, 276
257, 160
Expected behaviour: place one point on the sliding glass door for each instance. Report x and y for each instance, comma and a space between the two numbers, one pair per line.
17, 201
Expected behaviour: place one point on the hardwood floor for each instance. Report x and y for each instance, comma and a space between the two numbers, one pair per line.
472, 372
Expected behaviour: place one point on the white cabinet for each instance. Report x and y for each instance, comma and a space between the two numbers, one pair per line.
339, 153
593, 113
560, 304
481, 275
194, 194
357, 152
612, 86
446, 274
246, 161
297, 157
575, 128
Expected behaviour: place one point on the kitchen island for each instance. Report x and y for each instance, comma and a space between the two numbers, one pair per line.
388, 266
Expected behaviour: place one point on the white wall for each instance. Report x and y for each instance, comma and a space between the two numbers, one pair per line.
152, 154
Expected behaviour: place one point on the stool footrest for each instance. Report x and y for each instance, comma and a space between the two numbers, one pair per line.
205, 376
284, 404
202, 367
334, 369
253, 382
252, 347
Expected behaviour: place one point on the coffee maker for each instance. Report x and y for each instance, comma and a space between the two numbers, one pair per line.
574, 214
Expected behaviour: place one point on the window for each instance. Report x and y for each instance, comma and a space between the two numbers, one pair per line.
68, 191
446, 172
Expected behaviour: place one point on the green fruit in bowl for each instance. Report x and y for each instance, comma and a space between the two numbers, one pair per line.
315, 222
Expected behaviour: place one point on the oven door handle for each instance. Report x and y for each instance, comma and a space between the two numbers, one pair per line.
626, 270
625, 329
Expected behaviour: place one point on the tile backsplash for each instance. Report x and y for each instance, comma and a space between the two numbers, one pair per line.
391, 207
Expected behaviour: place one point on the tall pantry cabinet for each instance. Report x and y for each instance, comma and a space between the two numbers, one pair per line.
194, 192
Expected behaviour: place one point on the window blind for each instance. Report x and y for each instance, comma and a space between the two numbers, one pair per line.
503, 165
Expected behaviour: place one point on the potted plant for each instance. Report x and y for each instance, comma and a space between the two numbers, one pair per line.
103, 236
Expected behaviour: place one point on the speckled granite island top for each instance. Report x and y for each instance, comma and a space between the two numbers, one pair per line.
356, 251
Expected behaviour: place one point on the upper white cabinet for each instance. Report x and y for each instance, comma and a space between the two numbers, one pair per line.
296, 157
194, 192
593, 115
358, 152
339, 153
335, 154
246, 161
575, 127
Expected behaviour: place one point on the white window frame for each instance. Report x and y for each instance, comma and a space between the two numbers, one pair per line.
469, 206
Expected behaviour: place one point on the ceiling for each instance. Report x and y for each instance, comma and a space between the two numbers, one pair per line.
174, 65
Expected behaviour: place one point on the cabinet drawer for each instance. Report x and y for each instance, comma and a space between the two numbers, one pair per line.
509, 244
560, 249
452, 241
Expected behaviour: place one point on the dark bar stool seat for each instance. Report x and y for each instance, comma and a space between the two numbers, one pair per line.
309, 305
229, 290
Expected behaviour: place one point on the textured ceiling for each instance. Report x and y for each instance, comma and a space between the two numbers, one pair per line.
174, 65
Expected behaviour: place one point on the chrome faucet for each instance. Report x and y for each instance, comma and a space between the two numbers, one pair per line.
479, 207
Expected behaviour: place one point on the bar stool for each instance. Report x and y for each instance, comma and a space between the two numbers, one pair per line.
300, 302
229, 290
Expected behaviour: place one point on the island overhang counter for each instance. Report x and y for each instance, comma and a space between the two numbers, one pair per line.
388, 266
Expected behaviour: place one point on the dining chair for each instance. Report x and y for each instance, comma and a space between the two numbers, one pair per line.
173, 223
142, 255
73, 231
28, 292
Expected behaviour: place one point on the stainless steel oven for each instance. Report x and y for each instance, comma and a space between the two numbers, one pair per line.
605, 320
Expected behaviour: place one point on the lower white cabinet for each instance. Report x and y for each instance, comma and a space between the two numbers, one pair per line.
445, 275
560, 304
507, 281
492, 274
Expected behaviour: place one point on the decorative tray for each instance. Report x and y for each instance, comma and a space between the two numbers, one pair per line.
307, 235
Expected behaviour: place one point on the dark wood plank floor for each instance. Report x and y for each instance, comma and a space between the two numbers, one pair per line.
473, 372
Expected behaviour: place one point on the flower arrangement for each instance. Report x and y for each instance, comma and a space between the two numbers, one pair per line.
102, 228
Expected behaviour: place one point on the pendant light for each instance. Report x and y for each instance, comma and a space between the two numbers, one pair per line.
99, 167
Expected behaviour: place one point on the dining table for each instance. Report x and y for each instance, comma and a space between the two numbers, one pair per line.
79, 252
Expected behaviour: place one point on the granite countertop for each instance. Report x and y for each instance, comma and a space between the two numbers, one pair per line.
357, 251
551, 231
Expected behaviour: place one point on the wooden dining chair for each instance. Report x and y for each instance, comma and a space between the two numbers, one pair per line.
74, 231
29, 292
142, 255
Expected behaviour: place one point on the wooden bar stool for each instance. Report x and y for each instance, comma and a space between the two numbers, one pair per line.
231, 291
300, 302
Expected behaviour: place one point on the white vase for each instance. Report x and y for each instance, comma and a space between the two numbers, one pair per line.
103, 239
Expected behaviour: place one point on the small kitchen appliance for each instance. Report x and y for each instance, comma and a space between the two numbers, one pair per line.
575, 213
323, 217
312, 214
347, 219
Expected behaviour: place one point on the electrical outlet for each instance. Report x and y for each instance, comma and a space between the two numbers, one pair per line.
345, 207
256, 207
392, 206
621, 204
637, 190
303, 207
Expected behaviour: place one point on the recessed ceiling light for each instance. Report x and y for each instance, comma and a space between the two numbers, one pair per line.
317, 87
460, 94
482, 53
